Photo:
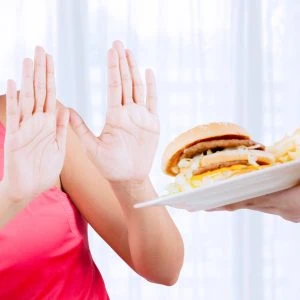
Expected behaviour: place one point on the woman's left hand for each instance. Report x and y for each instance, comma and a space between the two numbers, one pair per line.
125, 149
284, 203
148, 239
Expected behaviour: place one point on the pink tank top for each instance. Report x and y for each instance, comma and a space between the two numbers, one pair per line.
44, 251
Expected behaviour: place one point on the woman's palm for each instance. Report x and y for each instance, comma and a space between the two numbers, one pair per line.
128, 142
33, 154
126, 147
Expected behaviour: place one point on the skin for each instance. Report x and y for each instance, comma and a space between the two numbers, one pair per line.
106, 175
285, 204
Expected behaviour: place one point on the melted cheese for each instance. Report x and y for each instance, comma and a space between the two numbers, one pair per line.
221, 174
184, 182
235, 168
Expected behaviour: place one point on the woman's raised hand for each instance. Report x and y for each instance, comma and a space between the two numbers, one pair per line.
36, 131
126, 147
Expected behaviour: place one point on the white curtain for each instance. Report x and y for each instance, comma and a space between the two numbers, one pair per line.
215, 60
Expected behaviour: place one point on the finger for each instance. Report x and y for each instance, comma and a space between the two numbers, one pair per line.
291, 218
216, 209
266, 210
50, 104
125, 73
248, 204
39, 79
151, 91
137, 83
12, 108
229, 207
114, 79
85, 135
62, 121
27, 93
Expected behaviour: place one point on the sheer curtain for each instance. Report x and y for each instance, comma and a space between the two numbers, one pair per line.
215, 60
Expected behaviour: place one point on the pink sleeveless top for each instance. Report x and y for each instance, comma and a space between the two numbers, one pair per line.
44, 251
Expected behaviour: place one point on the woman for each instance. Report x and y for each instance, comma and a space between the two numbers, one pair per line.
57, 179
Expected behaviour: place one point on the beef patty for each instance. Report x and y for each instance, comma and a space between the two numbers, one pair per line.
214, 145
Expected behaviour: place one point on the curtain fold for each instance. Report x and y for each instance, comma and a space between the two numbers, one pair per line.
72, 55
248, 74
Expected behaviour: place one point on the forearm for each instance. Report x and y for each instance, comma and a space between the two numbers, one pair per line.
9, 207
155, 244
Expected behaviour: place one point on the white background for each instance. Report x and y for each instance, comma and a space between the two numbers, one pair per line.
215, 60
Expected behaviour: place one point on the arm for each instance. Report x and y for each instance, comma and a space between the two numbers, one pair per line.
155, 244
146, 239
9, 207
35, 137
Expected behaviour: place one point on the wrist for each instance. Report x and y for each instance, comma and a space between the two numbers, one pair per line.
9, 205
134, 191
8, 193
132, 185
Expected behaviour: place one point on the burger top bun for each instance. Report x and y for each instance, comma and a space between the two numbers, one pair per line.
208, 132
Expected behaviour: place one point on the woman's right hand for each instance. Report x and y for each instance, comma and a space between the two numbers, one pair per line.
36, 132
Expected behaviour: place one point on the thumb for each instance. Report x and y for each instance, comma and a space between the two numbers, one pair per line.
62, 121
88, 139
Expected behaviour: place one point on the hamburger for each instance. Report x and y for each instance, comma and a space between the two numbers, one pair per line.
212, 152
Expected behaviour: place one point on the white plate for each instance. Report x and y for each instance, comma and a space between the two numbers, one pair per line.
233, 190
